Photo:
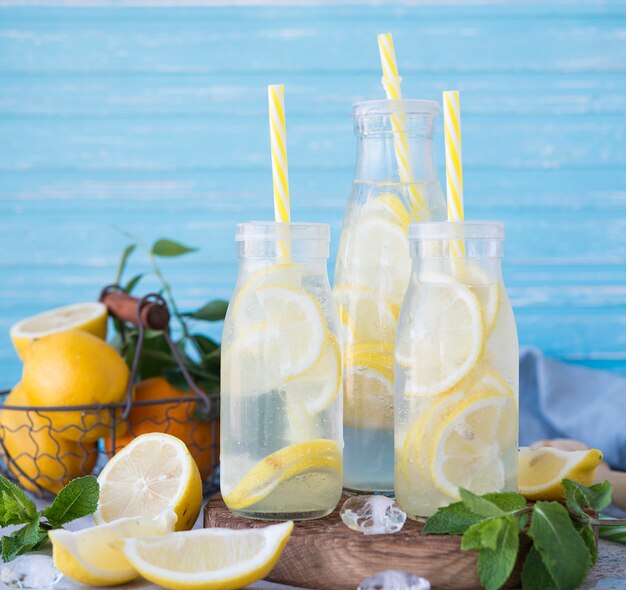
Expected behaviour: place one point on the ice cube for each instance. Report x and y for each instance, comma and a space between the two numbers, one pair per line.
30, 571
394, 580
372, 515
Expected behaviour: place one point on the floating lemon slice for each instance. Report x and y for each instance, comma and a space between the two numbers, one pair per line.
541, 471
391, 207
208, 559
152, 474
472, 444
486, 289
368, 398
264, 477
88, 317
447, 336
90, 556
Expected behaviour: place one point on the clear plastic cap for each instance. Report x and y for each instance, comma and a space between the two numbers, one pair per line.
273, 239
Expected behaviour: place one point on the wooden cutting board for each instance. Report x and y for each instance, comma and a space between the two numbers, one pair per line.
325, 554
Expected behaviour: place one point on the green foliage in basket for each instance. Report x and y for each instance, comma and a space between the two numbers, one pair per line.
200, 353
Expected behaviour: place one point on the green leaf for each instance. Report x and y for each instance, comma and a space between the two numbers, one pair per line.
169, 248
483, 535
123, 260
30, 536
77, 499
133, 283
213, 311
586, 534
495, 565
562, 550
596, 497
206, 345
535, 576
15, 506
479, 505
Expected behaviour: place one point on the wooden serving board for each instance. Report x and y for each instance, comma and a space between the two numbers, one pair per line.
325, 554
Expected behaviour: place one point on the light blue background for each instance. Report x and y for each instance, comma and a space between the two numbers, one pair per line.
154, 120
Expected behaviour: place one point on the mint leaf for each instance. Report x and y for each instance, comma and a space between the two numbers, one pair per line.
213, 311
169, 248
123, 260
133, 283
483, 535
562, 550
535, 576
479, 505
30, 536
495, 565
586, 534
77, 499
15, 506
596, 497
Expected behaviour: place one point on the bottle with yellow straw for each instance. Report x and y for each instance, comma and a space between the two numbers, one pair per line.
456, 357
281, 375
395, 184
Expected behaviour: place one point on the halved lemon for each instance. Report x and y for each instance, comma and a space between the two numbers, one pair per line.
89, 317
90, 556
541, 471
260, 481
446, 339
472, 445
153, 473
208, 559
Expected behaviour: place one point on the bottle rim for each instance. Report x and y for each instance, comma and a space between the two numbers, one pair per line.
456, 230
273, 230
408, 107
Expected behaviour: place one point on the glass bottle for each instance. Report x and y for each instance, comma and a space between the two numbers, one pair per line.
456, 369
281, 377
372, 272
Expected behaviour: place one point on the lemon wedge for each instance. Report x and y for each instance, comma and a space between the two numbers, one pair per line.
540, 471
155, 472
446, 339
90, 556
260, 481
208, 559
89, 317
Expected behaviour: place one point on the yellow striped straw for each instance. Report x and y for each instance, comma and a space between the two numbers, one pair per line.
278, 145
391, 83
454, 162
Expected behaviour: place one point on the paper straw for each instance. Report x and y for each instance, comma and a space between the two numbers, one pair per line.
391, 83
278, 145
454, 162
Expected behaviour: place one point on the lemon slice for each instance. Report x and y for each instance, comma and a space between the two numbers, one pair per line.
368, 318
90, 556
486, 289
470, 447
447, 336
153, 473
368, 398
381, 257
264, 477
317, 387
389, 206
88, 317
208, 559
541, 471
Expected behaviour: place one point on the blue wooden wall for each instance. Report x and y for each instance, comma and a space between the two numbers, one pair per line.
153, 120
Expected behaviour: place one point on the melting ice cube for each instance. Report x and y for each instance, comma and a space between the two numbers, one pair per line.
372, 515
394, 580
30, 572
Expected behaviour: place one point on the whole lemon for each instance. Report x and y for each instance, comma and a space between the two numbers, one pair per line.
74, 368
37, 456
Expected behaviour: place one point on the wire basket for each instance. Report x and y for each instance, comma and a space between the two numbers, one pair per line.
42, 448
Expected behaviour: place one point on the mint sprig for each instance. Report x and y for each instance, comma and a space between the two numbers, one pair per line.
77, 499
562, 542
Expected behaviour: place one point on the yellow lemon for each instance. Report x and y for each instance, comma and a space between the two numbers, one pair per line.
35, 454
540, 471
152, 474
208, 559
88, 317
74, 368
92, 556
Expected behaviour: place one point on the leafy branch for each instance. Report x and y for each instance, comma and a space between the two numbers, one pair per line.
561, 537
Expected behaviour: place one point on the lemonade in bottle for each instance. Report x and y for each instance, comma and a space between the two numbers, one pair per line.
281, 432
372, 273
456, 369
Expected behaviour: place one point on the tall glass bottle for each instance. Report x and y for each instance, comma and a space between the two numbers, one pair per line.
395, 184
281, 432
